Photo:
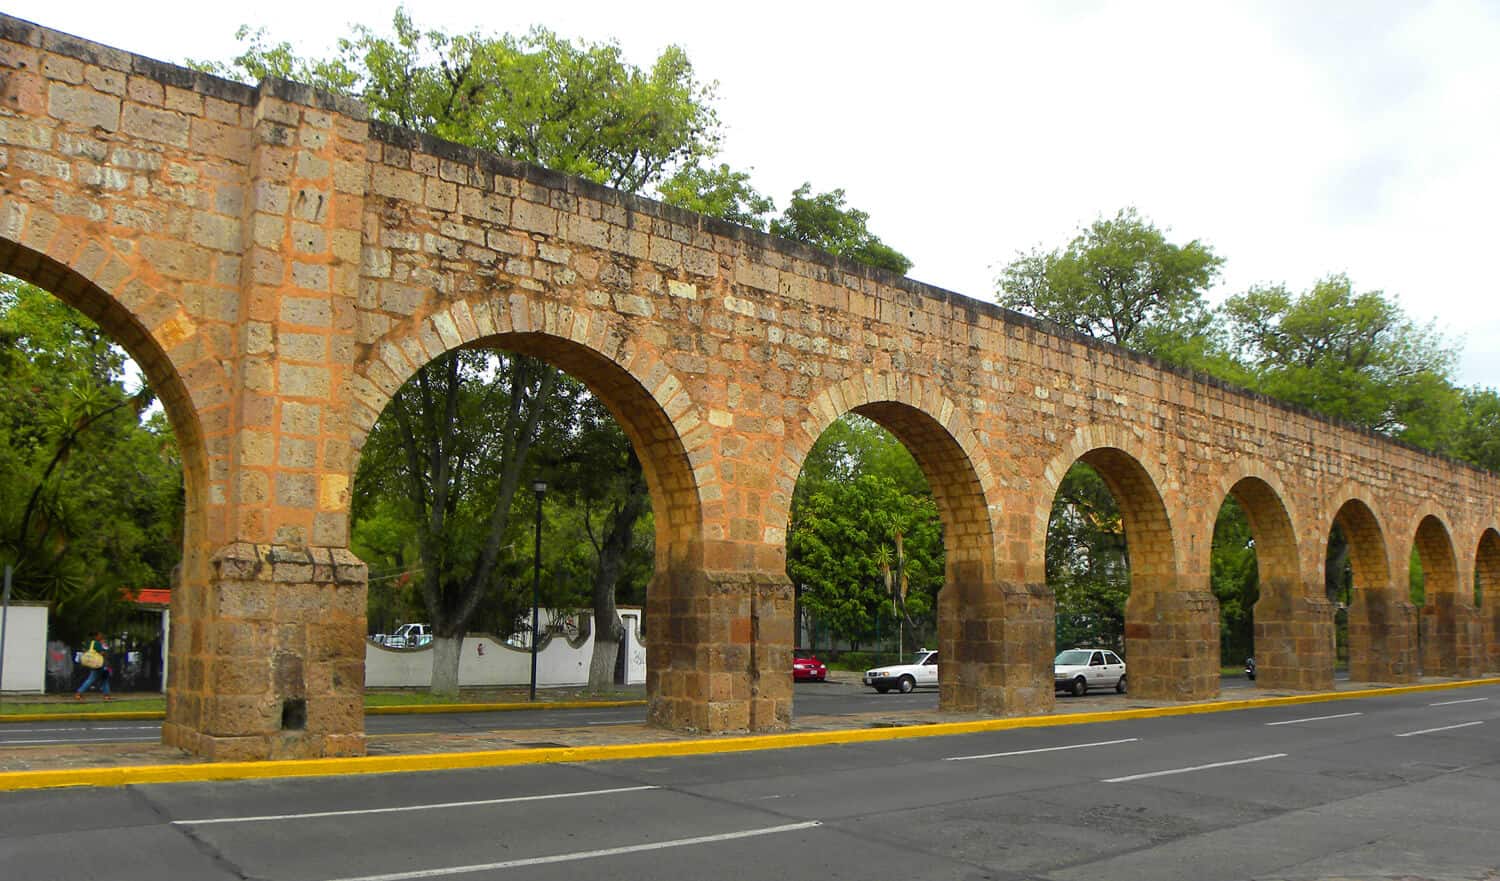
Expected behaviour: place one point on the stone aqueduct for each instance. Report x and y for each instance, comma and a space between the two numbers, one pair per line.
278, 265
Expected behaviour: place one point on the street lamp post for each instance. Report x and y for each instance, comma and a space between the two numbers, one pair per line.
540, 488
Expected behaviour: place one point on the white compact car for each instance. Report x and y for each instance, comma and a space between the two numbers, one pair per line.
905, 677
1078, 670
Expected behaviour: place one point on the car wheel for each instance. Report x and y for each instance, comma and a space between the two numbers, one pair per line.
908, 684
1080, 687
882, 688
1120, 686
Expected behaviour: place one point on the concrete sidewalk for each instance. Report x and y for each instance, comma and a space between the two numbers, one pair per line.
911, 723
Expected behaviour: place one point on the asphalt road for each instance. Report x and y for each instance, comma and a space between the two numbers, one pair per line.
812, 699
1401, 786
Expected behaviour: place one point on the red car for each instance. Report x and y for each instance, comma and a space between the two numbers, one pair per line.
807, 668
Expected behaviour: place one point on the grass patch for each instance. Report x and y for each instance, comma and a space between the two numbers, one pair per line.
54, 703
92, 705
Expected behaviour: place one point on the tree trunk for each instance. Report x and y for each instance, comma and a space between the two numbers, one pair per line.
445, 655
608, 631
609, 634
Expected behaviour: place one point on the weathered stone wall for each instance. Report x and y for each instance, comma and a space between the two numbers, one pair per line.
280, 265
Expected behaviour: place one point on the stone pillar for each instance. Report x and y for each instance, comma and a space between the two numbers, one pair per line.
1450, 638
719, 650
1294, 633
275, 668
995, 648
269, 649
1382, 637
1172, 643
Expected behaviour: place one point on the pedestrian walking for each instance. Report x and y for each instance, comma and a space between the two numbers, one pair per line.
96, 659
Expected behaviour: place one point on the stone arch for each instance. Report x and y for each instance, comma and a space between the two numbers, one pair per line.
1433, 542
1382, 624
1260, 493
972, 623
942, 441
1135, 483
1449, 624
701, 660
1294, 636
599, 349
1171, 628
1487, 599
151, 325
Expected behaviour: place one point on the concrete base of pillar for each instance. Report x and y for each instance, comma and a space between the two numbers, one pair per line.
719, 651
1172, 644
268, 657
1382, 637
1451, 637
995, 649
1294, 640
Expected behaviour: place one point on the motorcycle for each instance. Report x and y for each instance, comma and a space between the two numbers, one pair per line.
1250, 669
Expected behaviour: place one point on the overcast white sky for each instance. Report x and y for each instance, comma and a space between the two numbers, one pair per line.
1298, 139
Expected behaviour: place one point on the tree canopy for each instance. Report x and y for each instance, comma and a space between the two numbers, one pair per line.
821, 220
91, 502
1352, 356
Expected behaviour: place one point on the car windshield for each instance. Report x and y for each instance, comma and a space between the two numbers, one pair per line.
1072, 656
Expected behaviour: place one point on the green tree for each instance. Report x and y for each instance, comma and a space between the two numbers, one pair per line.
1121, 280
834, 552
1235, 579
574, 107
1476, 437
91, 502
717, 191
1351, 356
1086, 562
822, 221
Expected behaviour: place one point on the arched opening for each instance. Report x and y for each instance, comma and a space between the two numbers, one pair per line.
105, 471
1291, 637
1381, 624
1487, 598
865, 556
1448, 631
1108, 535
971, 625
540, 441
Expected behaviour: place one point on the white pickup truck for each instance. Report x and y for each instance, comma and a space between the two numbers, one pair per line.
409, 636
923, 670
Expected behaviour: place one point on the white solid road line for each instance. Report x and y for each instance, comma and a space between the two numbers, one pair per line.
82, 728
1313, 719
81, 740
1194, 768
403, 808
1472, 700
1047, 749
583, 854
1434, 730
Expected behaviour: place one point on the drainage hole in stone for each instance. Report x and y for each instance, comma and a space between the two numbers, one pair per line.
294, 714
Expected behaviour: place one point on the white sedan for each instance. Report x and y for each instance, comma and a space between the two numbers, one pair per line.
1078, 670
905, 677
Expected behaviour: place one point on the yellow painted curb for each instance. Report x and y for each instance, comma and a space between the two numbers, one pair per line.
125, 716
144, 774
414, 709
418, 709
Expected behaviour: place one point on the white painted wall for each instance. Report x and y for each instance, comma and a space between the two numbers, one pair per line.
486, 661
25, 648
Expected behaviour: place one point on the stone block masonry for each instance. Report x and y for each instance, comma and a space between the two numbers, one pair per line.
279, 265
